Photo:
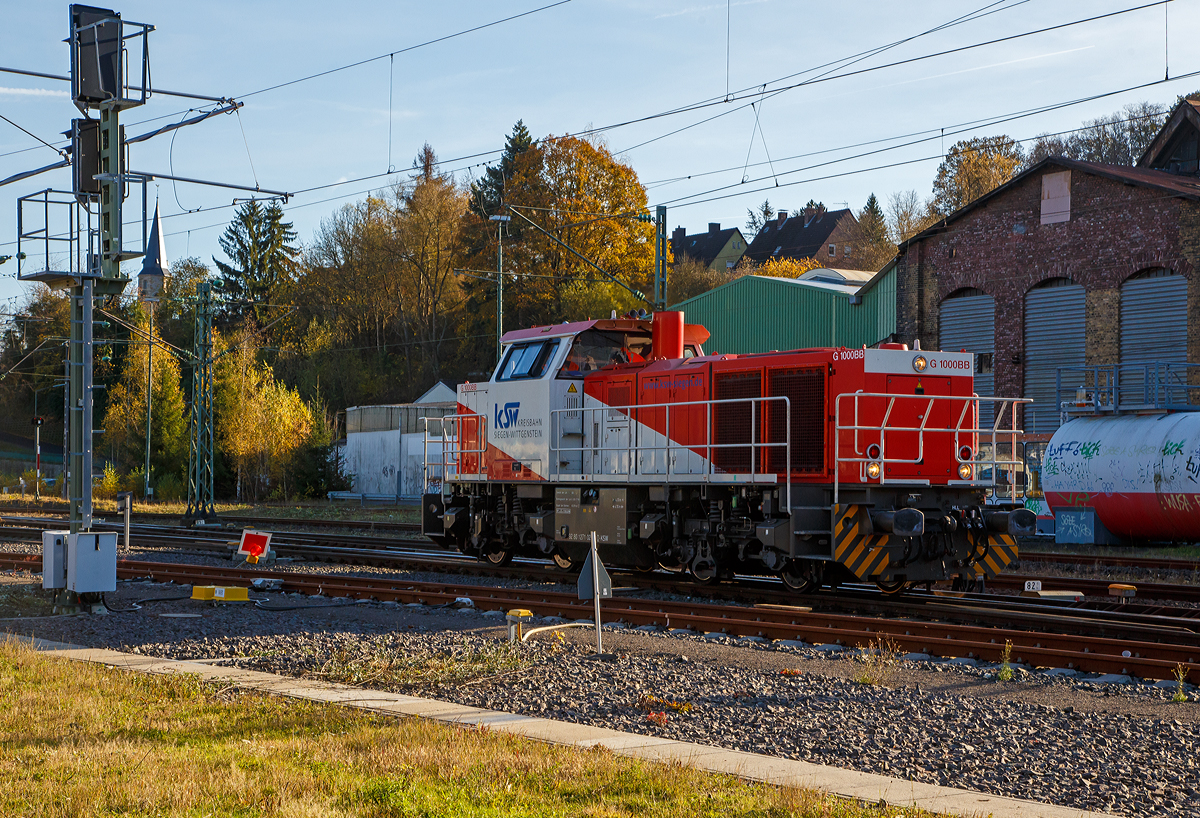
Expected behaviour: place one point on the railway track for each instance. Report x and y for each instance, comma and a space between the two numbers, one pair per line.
991, 610
1151, 660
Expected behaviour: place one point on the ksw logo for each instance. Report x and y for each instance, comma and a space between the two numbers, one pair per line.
506, 417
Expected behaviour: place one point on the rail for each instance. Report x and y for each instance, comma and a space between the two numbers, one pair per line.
863, 455
635, 445
1156, 386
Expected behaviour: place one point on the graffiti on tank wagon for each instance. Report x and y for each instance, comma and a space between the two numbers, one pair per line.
1170, 448
1193, 466
1177, 502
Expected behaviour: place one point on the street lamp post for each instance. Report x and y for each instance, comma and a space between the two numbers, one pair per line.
500, 220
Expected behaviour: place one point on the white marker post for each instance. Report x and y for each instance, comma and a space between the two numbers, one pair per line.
596, 593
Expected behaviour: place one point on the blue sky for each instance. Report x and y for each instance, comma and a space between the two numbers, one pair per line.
584, 64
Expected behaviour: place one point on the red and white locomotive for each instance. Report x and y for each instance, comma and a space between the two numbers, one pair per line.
819, 465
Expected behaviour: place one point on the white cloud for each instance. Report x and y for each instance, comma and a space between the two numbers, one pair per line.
699, 9
32, 92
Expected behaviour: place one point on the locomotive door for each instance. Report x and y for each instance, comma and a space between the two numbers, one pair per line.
615, 446
650, 426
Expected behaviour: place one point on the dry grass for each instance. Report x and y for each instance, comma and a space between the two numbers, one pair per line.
393, 669
878, 662
314, 509
79, 741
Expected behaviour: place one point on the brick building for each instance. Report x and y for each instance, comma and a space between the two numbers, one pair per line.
817, 233
1069, 264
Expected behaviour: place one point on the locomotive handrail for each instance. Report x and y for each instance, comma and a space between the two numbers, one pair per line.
451, 451
633, 448
957, 431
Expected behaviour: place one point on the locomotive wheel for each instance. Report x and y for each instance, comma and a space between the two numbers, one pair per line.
498, 557
796, 581
892, 588
703, 572
564, 562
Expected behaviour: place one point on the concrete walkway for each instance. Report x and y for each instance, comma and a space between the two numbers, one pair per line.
866, 787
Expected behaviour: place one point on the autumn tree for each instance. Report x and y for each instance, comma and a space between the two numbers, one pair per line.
908, 214
576, 191
972, 168
262, 425
260, 246
1117, 139
124, 438
31, 358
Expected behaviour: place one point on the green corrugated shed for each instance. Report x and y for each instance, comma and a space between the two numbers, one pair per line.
759, 314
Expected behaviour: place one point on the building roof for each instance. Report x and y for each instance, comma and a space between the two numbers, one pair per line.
795, 236
837, 276
706, 246
1186, 112
1187, 187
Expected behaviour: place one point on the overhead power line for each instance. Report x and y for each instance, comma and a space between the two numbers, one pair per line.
753, 92
392, 54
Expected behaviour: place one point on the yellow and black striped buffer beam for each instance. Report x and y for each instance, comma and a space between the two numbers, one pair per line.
855, 546
1001, 553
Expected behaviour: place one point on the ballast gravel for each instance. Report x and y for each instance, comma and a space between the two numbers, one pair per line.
1064, 739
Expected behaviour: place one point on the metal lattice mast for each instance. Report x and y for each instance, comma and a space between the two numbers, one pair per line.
200, 456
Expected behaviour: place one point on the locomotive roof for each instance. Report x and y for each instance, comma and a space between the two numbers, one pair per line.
693, 333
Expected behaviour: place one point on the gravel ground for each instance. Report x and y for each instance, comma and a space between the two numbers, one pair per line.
1123, 748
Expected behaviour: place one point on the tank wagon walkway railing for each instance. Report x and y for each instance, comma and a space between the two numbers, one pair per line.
1155, 386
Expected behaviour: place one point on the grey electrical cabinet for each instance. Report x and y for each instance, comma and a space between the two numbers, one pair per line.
92, 562
54, 559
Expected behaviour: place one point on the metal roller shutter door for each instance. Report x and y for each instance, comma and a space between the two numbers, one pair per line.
1154, 320
1055, 328
970, 323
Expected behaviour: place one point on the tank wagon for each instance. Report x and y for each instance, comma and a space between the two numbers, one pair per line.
819, 465
1125, 464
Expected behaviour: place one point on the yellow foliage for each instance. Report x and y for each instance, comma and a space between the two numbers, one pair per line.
261, 423
784, 267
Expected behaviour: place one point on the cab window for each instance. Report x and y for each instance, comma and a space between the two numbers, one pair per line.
526, 360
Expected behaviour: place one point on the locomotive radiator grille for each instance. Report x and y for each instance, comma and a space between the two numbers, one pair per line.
805, 391
732, 422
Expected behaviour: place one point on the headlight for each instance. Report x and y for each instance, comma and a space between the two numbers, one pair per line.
919, 363
873, 470
964, 471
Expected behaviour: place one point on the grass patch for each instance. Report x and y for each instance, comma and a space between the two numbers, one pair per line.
78, 741
394, 669
1005, 673
878, 662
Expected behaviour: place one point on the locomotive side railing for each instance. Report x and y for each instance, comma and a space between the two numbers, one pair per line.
449, 467
636, 446
959, 433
